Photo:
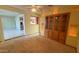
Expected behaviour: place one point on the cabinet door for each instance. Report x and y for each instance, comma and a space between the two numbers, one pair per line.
51, 27
50, 23
47, 27
56, 28
63, 28
46, 23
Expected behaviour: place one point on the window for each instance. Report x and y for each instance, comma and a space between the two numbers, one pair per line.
33, 20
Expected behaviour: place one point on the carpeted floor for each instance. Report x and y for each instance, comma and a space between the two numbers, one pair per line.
36, 44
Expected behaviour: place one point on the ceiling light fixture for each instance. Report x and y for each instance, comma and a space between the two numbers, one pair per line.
33, 10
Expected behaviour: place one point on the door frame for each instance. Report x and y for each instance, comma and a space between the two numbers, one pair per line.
22, 15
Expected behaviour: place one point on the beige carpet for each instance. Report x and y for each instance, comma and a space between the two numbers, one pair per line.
35, 45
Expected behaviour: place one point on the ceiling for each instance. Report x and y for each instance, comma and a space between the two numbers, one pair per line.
28, 8
8, 13
22, 7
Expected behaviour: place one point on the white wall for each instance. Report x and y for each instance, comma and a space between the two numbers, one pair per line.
1, 31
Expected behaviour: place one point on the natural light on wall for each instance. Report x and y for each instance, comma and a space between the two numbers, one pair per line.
73, 30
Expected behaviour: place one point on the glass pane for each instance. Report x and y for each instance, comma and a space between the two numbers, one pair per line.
46, 26
57, 23
51, 23
64, 18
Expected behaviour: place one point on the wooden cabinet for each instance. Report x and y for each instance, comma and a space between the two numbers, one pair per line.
56, 27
